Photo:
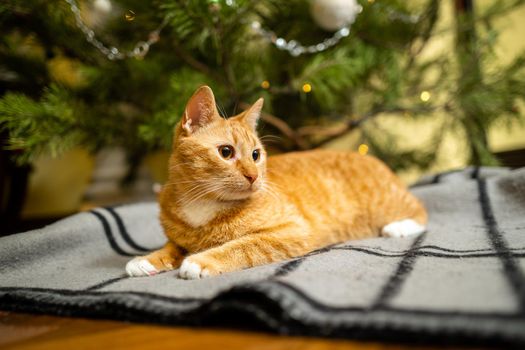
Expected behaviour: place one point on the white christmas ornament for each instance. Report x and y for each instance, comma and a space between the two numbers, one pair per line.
334, 14
104, 6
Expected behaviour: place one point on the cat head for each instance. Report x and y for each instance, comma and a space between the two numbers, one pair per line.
214, 157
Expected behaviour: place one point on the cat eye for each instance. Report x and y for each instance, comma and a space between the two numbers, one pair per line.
226, 151
256, 154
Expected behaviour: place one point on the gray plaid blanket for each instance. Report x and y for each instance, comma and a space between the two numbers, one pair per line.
461, 282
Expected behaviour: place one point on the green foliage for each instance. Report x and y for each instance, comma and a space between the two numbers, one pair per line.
136, 103
48, 125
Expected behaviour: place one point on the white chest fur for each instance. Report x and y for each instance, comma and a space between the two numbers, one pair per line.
199, 213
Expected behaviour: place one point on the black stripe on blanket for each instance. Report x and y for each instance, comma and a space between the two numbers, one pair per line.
292, 265
475, 173
437, 178
394, 284
109, 235
433, 247
124, 232
511, 268
423, 252
107, 282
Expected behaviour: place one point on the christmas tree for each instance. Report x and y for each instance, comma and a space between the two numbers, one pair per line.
102, 73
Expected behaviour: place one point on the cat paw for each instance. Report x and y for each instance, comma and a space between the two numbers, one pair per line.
403, 228
191, 269
140, 267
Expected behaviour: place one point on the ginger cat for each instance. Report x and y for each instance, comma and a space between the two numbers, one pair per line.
226, 206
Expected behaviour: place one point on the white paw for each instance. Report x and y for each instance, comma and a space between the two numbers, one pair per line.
140, 267
403, 228
191, 270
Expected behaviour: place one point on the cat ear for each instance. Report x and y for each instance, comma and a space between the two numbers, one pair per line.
200, 110
252, 115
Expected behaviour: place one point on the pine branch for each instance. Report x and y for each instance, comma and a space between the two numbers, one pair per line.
194, 63
432, 13
332, 133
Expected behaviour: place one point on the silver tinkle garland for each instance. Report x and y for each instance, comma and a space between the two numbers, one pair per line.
293, 47
139, 50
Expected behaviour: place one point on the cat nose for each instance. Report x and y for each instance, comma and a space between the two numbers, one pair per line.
251, 178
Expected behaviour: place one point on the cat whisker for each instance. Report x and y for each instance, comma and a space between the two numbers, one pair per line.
221, 110
201, 195
195, 190
174, 166
193, 181
264, 137
203, 191
174, 183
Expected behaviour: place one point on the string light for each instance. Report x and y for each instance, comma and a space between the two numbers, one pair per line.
425, 96
362, 149
129, 16
265, 84
307, 87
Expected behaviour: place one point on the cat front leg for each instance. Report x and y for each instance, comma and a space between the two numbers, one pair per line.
247, 251
166, 258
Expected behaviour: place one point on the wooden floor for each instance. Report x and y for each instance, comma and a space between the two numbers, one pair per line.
21, 331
